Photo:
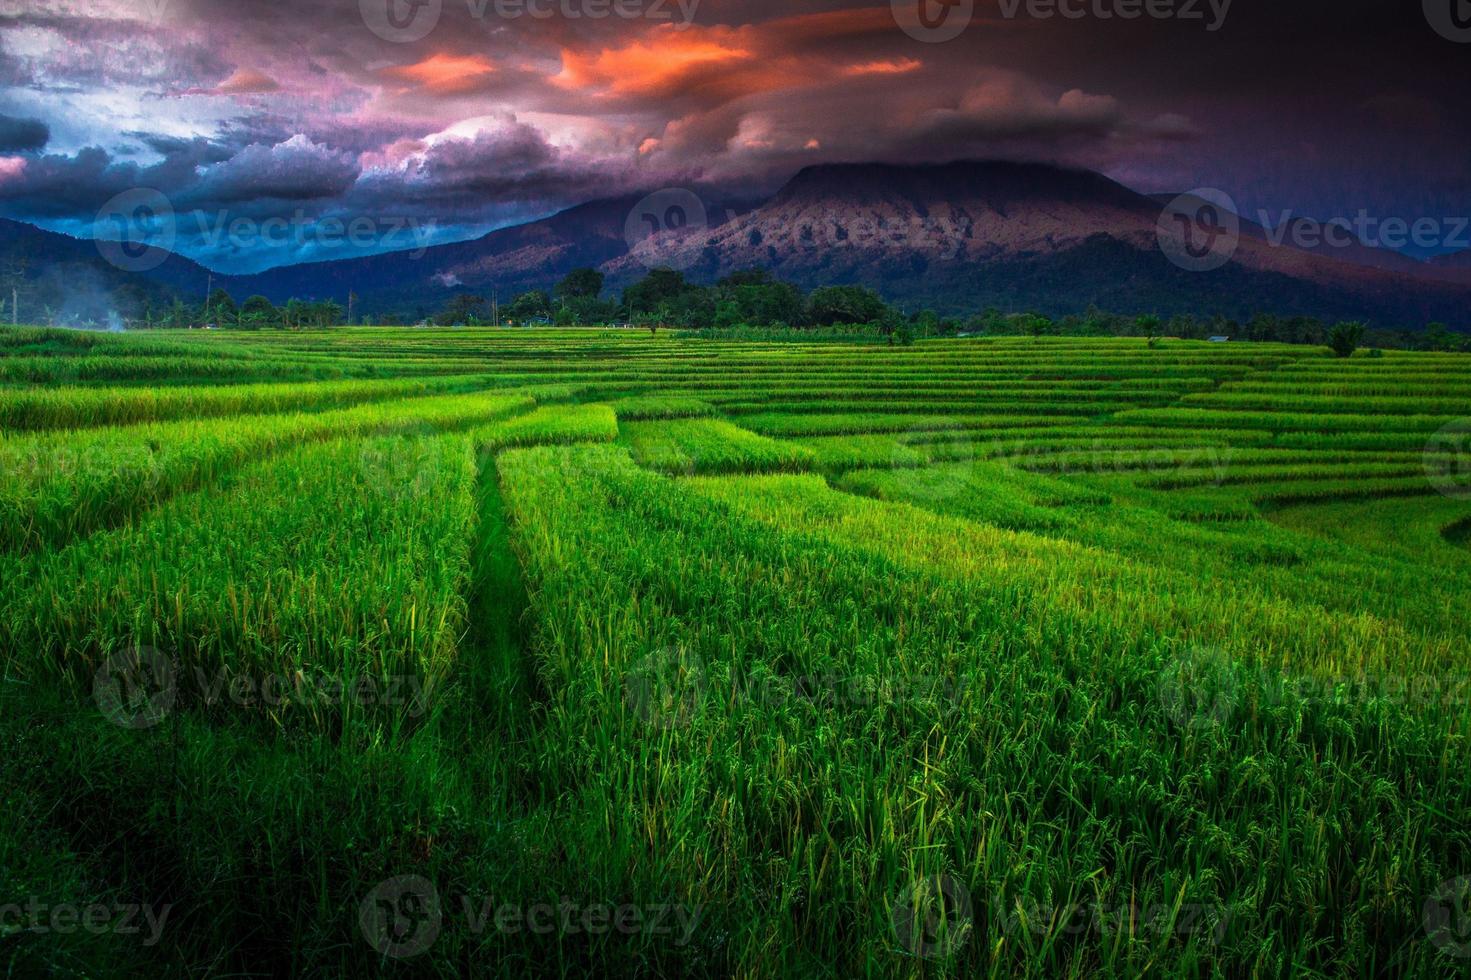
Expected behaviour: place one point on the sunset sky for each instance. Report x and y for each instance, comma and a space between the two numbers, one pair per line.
264, 109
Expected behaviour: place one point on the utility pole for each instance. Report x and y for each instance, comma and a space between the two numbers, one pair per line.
350, 297
495, 306
14, 307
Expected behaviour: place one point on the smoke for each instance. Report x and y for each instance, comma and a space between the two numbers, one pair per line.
78, 297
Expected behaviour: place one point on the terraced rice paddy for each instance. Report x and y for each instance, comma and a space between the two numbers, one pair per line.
593, 653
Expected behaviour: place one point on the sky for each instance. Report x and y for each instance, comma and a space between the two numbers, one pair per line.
281, 131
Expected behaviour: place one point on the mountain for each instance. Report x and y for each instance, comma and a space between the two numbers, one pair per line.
1030, 236
71, 278
1455, 267
510, 260
953, 237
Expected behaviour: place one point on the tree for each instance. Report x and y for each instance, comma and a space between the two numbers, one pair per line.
327, 313
727, 315
747, 277
257, 312
845, 304
656, 289
294, 316
529, 306
584, 311
220, 308
754, 298
1437, 337
580, 284
462, 309
12, 285
1035, 325
1345, 338
178, 315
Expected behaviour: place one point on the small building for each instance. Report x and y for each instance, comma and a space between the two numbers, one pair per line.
1220, 340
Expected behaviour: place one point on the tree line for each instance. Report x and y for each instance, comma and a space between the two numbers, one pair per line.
754, 301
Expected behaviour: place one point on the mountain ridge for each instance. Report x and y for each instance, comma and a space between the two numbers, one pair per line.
956, 237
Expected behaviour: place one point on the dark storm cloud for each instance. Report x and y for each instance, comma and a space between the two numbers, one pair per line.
296, 170
22, 135
254, 105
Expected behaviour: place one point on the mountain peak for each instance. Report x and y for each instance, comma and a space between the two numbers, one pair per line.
993, 180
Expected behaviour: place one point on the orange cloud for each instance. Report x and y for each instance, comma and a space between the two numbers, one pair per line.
657, 67
724, 63
897, 66
445, 74
247, 81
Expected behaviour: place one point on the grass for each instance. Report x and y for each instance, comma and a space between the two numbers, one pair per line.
72, 408
692, 446
57, 486
1147, 661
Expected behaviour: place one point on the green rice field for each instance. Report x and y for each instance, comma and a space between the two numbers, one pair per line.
594, 653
